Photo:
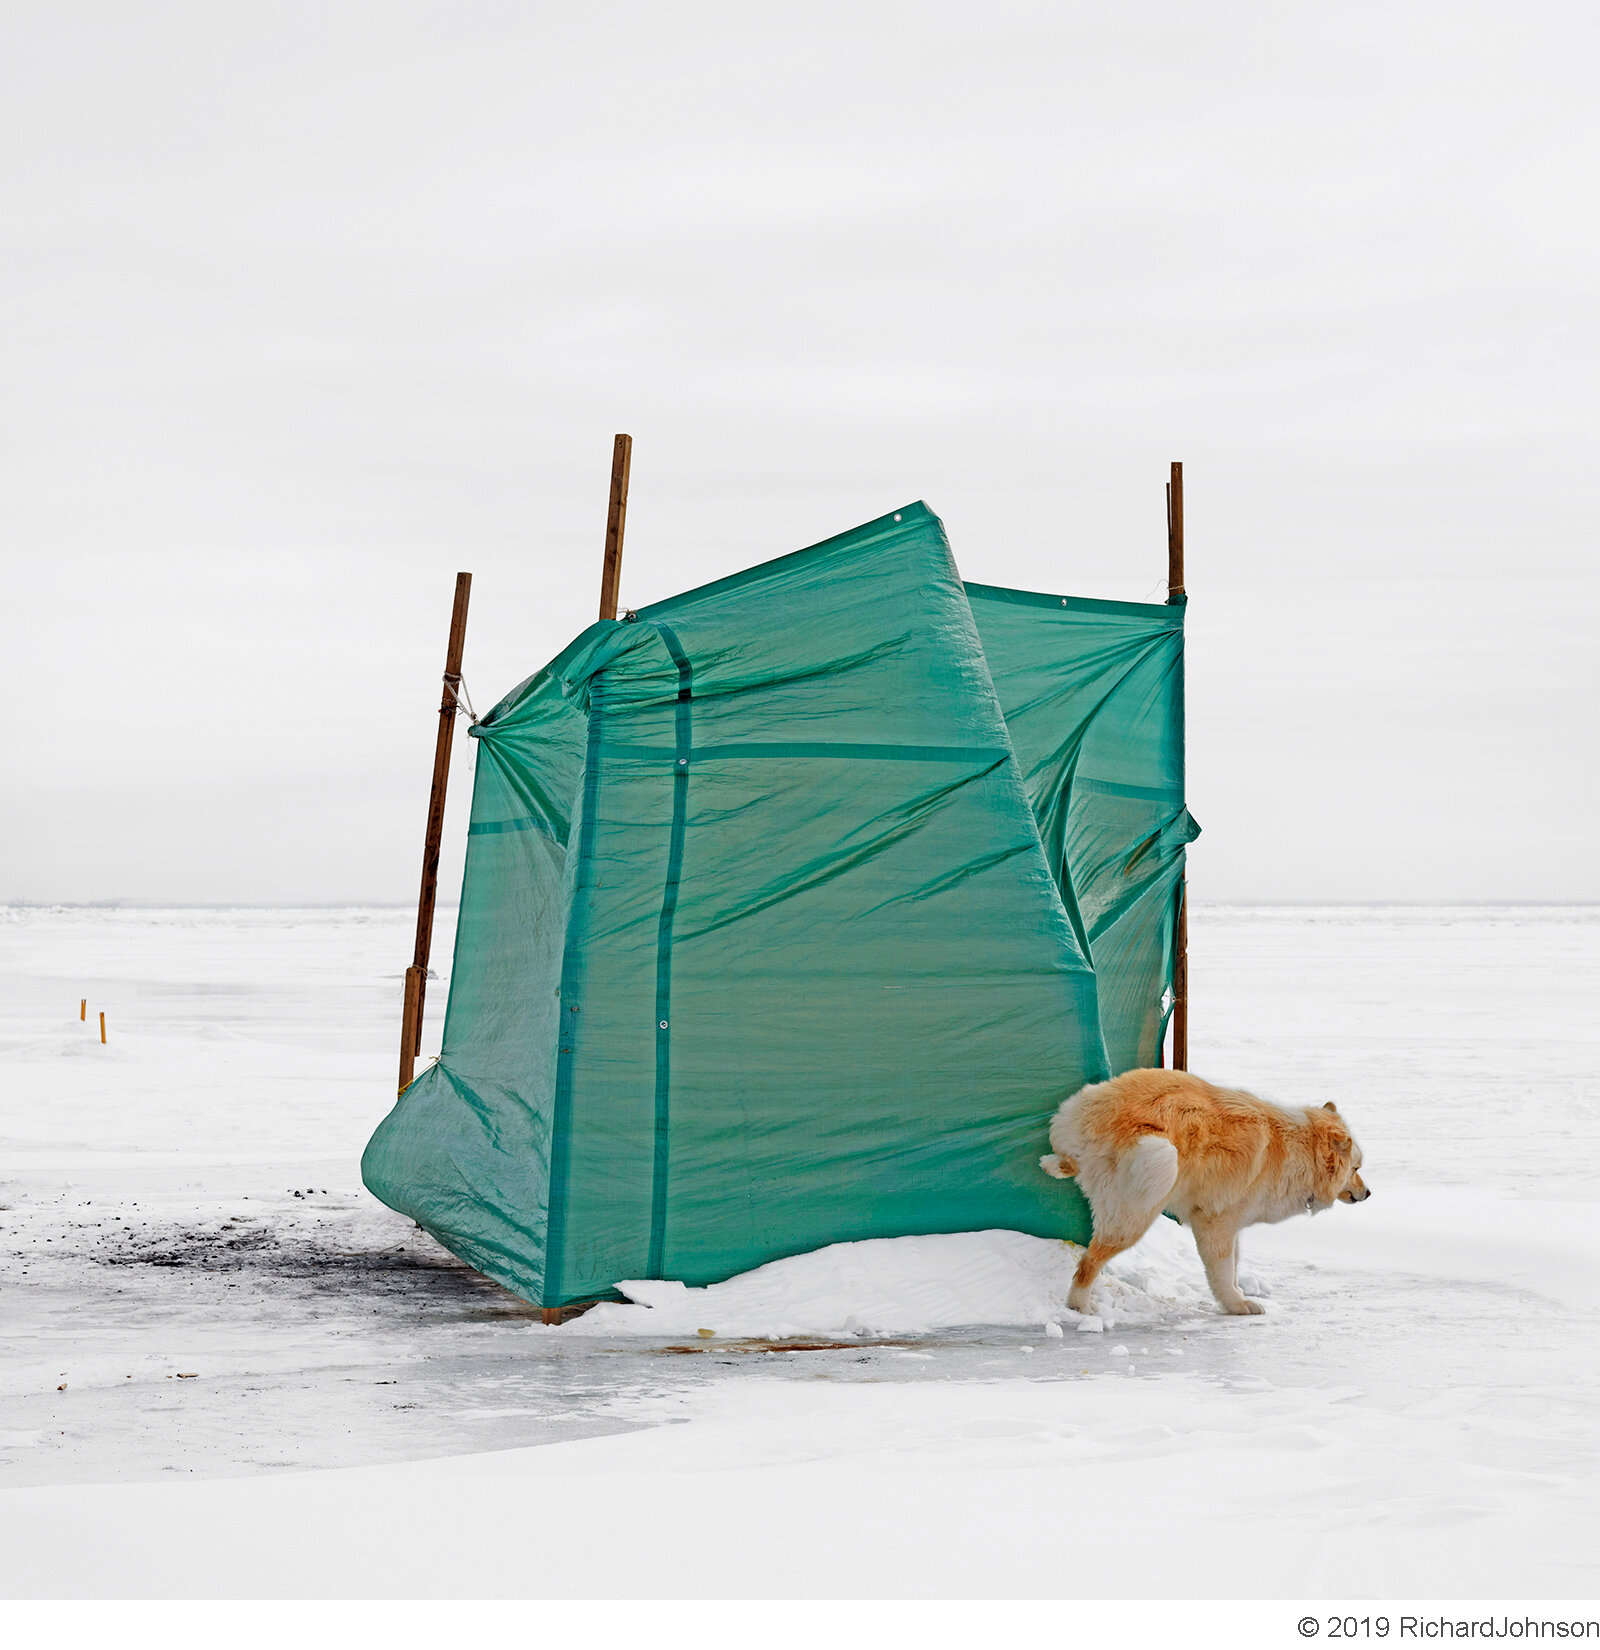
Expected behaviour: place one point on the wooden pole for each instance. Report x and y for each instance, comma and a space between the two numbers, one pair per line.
1180, 983
1175, 534
616, 519
83, 1008
610, 580
410, 1026
417, 974
102, 1025
1180, 939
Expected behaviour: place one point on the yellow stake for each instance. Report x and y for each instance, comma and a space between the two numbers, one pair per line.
102, 1025
83, 1008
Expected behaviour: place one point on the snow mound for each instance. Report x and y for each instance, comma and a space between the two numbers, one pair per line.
914, 1285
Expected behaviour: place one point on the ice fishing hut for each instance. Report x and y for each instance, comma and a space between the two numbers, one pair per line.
792, 908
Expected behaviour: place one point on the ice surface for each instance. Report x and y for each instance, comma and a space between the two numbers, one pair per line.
1412, 1415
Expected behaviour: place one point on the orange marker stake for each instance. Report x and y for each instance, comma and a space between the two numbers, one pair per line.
102, 1025
83, 1008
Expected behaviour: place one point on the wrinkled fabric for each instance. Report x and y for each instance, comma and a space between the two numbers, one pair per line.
781, 926
1093, 697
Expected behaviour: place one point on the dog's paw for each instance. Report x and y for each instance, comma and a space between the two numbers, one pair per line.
1246, 1308
1053, 1166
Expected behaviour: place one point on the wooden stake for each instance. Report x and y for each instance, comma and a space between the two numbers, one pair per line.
616, 519
1175, 534
409, 1018
1180, 939
83, 1008
417, 974
560, 1314
102, 1025
610, 581
1180, 983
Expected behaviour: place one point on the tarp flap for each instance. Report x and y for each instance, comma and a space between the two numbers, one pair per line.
767, 941
1093, 696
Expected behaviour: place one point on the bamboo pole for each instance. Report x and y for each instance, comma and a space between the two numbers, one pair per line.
417, 974
616, 520
1180, 938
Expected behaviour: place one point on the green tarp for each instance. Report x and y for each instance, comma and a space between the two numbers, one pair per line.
792, 909
1093, 699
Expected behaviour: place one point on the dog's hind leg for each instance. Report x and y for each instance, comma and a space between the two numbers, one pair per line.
1125, 1210
1218, 1243
1100, 1250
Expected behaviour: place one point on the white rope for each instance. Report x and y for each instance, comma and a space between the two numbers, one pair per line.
463, 699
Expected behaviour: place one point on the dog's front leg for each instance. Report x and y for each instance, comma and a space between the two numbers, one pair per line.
1218, 1243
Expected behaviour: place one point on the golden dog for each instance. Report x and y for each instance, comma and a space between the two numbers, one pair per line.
1150, 1142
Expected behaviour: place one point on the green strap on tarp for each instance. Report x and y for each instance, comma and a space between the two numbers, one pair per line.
572, 971
683, 723
819, 748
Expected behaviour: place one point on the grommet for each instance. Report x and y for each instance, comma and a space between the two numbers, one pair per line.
683, 761
663, 1025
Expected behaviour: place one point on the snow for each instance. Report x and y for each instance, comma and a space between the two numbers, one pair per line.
1411, 1416
909, 1286
1170, 1488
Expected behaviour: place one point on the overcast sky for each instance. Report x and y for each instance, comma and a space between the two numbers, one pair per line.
302, 308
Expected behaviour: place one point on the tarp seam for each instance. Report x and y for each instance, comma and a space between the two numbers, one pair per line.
682, 762
496, 827
1161, 613
567, 1035
818, 748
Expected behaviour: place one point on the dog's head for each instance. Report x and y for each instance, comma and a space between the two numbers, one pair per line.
1338, 1161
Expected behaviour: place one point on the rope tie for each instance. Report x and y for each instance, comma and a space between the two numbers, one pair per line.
457, 689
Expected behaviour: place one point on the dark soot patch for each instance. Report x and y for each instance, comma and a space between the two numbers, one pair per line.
437, 1283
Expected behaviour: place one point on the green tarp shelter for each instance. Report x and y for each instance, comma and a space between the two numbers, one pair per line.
793, 907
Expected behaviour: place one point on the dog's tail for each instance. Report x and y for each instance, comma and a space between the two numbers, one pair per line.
1148, 1170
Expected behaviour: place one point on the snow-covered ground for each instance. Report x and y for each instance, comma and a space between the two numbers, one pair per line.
225, 1370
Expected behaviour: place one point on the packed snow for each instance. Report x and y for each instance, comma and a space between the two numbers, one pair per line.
209, 1327
912, 1286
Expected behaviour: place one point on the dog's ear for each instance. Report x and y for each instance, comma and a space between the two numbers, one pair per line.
1328, 1105
1333, 1147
